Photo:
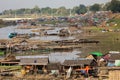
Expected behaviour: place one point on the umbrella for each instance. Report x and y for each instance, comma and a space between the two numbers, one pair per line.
96, 53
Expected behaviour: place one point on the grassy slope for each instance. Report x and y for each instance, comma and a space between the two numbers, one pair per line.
109, 41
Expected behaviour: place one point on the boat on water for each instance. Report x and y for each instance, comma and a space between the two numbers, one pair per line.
17, 35
11, 35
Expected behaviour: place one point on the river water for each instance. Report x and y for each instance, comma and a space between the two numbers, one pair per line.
53, 56
4, 32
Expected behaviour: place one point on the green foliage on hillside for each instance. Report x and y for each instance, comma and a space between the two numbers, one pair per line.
113, 5
95, 7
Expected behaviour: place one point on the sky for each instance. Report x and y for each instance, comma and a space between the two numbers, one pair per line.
17, 4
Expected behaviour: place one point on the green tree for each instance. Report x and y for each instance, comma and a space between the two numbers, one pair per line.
54, 10
81, 9
114, 6
62, 11
27, 11
20, 11
46, 11
36, 9
105, 7
95, 7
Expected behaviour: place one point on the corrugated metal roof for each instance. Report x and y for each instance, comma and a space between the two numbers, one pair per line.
114, 57
19, 57
77, 62
33, 61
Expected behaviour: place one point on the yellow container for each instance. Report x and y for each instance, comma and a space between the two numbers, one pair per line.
23, 72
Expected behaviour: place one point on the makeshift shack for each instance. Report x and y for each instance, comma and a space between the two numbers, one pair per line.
3, 44
9, 62
82, 62
114, 59
34, 64
54, 68
80, 66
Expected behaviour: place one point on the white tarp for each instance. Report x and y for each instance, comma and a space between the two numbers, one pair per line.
69, 72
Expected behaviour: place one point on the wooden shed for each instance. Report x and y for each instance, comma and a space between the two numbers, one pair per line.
3, 44
82, 62
113, 58
34, 64
33, 61
9, 62
54, 66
